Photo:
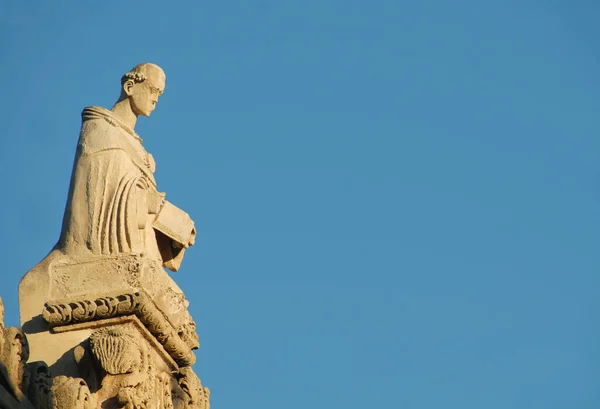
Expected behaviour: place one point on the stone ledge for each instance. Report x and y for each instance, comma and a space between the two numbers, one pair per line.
136, 302
124, 320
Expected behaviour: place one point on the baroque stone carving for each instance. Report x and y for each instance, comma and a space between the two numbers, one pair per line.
14, 356
197, 396
137, 303
113, 205
14, 375
126, 367
117, 351
118, 230
187, 332
106, 326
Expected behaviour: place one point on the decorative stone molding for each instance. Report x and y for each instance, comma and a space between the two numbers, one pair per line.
196, 396
14, 375
14, 357
188, 333
82, 353
131, 302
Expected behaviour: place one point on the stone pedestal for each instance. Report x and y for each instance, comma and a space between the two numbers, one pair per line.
66, 280
118, 350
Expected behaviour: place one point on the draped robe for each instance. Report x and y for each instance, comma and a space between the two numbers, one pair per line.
109, 225
107, 210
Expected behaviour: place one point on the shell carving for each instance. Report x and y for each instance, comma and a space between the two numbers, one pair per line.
116, 350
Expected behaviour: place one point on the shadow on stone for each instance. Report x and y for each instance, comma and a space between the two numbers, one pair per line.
35, 325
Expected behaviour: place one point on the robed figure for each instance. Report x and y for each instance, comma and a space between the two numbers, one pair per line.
113, 205
115, 217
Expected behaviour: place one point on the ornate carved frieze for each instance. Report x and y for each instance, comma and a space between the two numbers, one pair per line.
135, 302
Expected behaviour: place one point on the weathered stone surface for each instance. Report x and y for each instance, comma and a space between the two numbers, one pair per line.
103, 323
40, 384
114, 234
71, 393
14, 375
138, 303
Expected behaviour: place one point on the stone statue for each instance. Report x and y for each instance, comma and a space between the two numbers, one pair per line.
113, 200
113, 205
103, 323
118, 230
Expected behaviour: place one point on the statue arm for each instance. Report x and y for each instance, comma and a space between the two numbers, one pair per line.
156, 200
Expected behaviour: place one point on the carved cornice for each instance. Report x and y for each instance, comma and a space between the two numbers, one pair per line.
132, 302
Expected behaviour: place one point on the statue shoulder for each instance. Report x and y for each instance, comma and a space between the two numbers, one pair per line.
99, 132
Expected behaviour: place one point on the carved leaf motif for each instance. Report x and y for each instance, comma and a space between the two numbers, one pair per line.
83, 310
116, 350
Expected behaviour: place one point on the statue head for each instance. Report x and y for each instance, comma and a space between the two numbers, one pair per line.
142, 86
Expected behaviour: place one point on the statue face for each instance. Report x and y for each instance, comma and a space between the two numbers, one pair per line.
144, 95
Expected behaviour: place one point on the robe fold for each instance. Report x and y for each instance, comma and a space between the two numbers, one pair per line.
107, 211
108, 240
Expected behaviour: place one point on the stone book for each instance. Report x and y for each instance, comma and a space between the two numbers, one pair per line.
176, 225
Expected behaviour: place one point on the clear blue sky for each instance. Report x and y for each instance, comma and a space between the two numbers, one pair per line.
398, 202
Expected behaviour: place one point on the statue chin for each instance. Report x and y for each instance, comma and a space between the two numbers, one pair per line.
142, 111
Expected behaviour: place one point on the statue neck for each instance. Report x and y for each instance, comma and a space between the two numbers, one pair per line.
122, 110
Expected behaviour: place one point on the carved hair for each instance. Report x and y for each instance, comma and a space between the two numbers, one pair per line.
138, 73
